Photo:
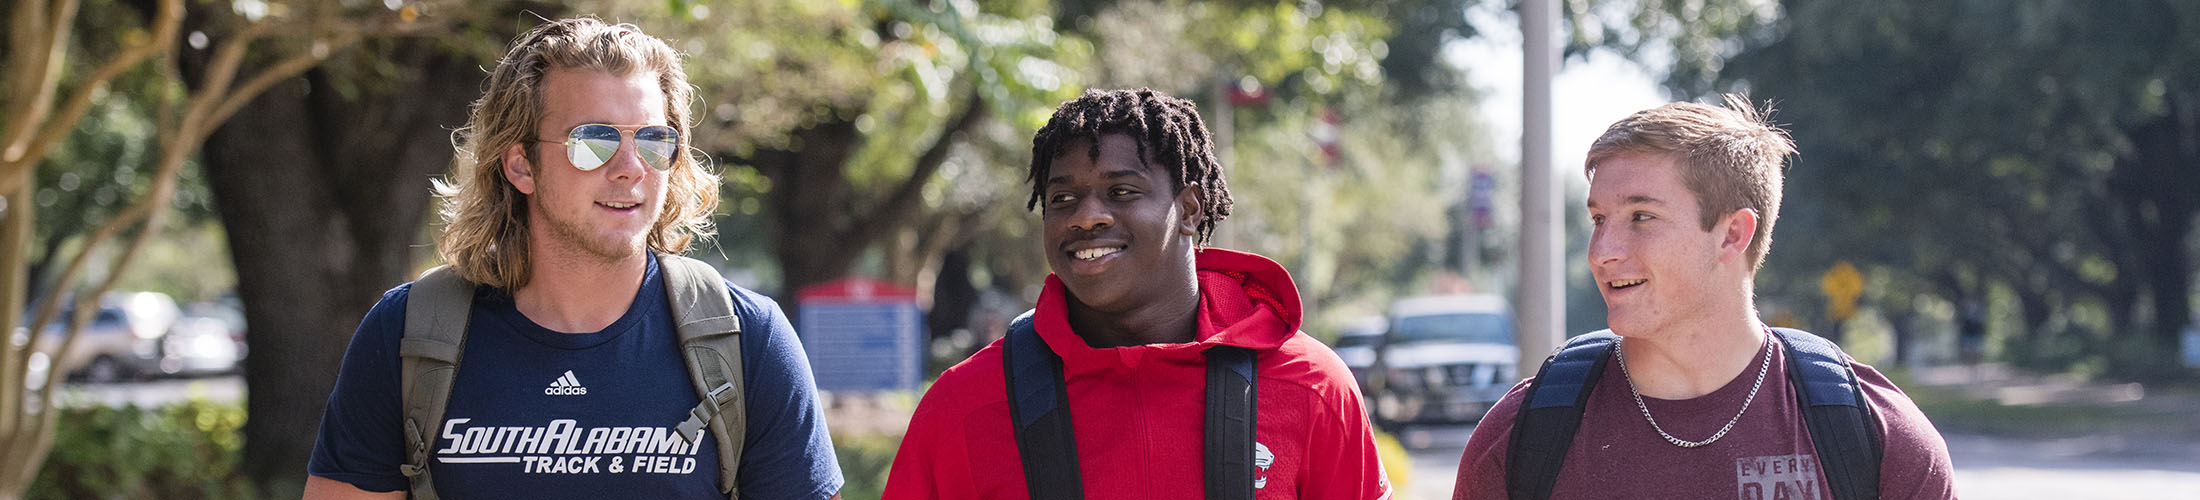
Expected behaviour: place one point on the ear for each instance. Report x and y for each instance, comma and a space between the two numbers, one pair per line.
1188, 204
517, 170
1737, 230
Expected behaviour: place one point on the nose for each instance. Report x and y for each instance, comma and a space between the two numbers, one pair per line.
1605, 249
1090, 214
626, 163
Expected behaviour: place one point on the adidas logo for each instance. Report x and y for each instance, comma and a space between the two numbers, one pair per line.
565, 386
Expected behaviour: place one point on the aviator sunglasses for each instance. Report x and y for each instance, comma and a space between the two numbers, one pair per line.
591, 145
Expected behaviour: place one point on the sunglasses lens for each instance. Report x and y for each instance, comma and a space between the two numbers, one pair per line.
659, 145
591, 146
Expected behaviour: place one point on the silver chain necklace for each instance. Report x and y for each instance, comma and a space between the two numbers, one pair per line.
1620, 351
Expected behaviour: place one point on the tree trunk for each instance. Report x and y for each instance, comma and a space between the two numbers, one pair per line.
814, 234
323, 200
2037, 312
821, 225
2159, 176
1900, 327
952, 294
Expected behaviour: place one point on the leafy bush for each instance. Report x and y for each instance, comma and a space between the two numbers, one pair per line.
864, 461
183, 451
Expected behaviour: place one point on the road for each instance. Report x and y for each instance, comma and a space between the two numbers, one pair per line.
1987, 468
228, 388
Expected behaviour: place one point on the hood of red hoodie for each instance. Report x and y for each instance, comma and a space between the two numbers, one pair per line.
1245, 300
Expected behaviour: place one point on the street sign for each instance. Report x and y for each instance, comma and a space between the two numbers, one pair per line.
1842, 284
862, 335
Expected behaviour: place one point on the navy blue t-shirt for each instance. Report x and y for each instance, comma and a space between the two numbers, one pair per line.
540, 414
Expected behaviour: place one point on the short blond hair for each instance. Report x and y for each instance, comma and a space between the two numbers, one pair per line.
1730, 157
485, 218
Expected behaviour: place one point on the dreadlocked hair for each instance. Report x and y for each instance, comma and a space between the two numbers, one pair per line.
1168, 133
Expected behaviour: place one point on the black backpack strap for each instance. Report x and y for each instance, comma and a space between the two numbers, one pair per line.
1550, 412
1841, 424
1038, 402
1232, 398
436, 314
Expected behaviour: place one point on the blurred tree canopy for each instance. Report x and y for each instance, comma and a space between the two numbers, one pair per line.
878, 136
2038, 157
890, 137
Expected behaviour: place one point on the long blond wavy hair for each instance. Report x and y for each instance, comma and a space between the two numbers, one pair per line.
485, 218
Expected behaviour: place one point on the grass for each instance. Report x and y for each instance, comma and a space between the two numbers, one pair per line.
2163, 414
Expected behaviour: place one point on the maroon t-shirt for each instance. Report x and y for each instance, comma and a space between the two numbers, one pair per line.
1768, 455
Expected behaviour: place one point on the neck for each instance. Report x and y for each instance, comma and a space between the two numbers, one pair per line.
569, 294
1691, 361
1171, 320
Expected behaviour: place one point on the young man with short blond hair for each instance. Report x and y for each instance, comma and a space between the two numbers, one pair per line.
1689, 395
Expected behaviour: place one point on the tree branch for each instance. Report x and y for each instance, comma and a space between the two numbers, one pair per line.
167, 21
896, 206
30, 46
295, 65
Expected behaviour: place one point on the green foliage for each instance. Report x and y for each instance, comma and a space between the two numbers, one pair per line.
1965, 147
864, 462
184, 451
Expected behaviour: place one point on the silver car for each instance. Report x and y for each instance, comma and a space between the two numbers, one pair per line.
142, 334
1445, 359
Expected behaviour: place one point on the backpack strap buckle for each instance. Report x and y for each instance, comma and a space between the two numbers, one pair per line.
703, 412
418, 462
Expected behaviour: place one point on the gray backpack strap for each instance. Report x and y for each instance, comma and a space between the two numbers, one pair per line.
710, 341
435, 335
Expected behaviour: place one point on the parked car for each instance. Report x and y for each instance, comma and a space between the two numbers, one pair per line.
1356, 345
141, 334
1444, 359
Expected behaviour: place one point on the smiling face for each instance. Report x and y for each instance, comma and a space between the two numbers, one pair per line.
1118, 231
1657, 267
606, 213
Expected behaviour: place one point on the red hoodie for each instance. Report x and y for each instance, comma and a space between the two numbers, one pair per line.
1139, 410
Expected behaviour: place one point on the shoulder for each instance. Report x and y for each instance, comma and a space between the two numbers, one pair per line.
974, 383
1495, 428
753, 306
1303, 361
1482, 465
1915, 461
385, 322
764, 325
1903, 424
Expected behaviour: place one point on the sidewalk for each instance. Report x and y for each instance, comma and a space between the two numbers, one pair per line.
1995, 400
2015, 435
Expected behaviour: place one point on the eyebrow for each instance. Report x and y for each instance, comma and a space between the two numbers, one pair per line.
1111, 175
1639, 199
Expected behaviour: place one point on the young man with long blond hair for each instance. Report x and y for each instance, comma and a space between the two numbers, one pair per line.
573, 198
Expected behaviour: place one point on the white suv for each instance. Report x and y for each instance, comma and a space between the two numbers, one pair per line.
1445, 359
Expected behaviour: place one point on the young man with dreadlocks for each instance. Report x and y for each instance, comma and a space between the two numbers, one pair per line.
1151, 367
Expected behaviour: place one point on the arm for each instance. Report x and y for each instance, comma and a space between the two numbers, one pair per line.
361, 439
321, 488
789, 453
1914, 462
1355, 469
